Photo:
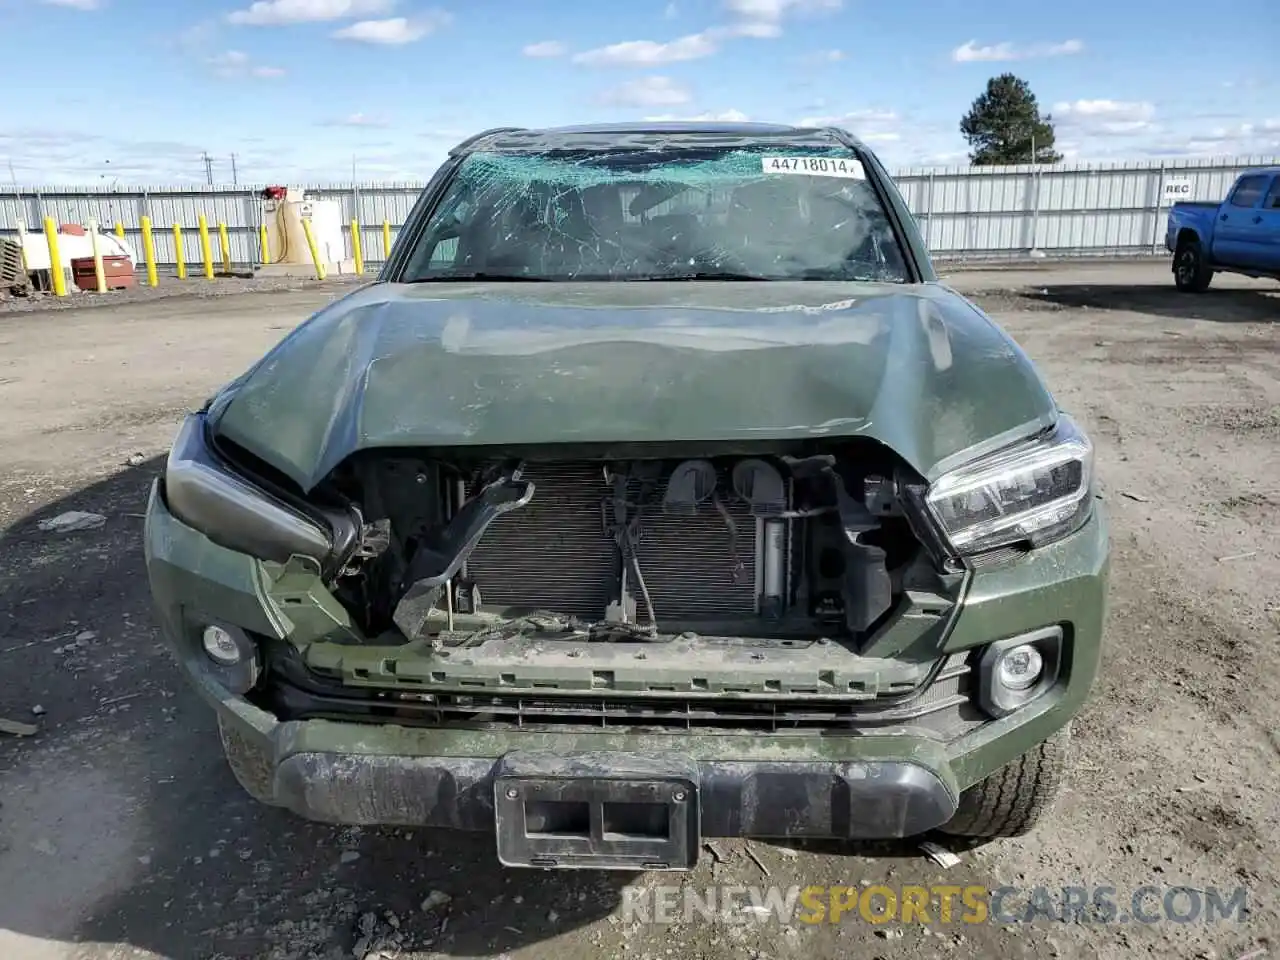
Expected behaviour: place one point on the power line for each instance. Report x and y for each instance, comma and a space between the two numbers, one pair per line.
235, 177
208, 167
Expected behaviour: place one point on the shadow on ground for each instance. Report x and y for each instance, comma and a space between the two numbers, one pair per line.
1226, 306
123, 807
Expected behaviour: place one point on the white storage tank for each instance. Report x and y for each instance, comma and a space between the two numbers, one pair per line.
286, 240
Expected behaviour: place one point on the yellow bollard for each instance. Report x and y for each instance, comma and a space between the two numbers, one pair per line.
149, 252
56, 276
356, 253
225, 243
119, 229
262, 242
315, 253
99, 274
206, 250
177, 252
386, 240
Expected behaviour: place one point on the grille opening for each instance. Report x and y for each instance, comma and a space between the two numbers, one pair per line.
639, 535
557, 818
636, 821
291, 691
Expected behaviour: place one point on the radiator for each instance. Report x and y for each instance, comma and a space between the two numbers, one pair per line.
555, 554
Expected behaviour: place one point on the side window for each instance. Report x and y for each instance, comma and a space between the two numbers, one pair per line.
1273, 196
443, 254
1247, 191
438, 248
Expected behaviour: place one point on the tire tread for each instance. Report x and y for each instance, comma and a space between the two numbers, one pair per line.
1011, 801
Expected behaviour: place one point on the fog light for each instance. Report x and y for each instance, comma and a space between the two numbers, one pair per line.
1016, 670
1019, 667
221, 646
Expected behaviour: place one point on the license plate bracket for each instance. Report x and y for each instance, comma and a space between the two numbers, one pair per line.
579, 814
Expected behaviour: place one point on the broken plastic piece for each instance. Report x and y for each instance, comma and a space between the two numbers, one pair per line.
443, 551
939, 854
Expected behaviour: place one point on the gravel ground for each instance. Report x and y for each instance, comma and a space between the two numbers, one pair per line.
170, 287
123, 835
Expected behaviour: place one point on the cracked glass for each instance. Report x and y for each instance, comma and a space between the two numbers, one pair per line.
668, 213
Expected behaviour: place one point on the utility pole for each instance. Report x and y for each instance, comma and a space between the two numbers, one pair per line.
16, 192
208, 167
235, 178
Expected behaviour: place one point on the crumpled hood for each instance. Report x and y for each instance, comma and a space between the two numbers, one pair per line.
916, 367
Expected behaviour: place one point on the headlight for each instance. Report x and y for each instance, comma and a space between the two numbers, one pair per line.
1033, 493
230, 511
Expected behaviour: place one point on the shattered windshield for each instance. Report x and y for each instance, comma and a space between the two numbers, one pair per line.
659, 214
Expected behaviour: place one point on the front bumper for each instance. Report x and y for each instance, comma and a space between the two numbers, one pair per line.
891, 783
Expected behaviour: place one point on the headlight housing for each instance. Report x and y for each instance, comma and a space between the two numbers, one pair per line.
201, 492
1032, 494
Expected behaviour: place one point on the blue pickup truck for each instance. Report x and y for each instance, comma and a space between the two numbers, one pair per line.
1239, 235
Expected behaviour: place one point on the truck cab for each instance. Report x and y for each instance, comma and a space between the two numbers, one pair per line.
1239, 235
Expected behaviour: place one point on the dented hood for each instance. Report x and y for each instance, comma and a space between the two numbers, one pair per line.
915, 367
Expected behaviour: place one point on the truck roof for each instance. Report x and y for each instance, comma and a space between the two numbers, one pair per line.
673, 132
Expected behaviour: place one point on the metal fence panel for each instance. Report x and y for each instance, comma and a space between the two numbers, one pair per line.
1059, 210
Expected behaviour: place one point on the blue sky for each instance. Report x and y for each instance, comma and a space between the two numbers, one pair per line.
134, 91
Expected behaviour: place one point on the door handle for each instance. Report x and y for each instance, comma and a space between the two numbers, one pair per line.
1257, 219
1223, 217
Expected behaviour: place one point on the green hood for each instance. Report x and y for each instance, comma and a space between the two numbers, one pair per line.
918, 368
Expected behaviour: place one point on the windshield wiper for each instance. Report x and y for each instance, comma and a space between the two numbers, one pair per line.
704, 275
478, 275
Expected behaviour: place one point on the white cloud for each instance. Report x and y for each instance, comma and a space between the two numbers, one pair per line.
763, 18
970, 52
230, 59
777, 9
547, 48
756, 29
265, 13
1117, 109
393, 31
74, 4
357, 120
632, 53
79, 157
232, 64
852, 118
760, 19
871, 126
1105, 117
648, 92
724, 116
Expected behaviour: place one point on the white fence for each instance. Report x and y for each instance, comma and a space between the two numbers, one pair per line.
964, 212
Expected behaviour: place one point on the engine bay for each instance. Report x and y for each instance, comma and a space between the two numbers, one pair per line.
459, 549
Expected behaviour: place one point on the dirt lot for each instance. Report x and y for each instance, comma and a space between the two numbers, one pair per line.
123, 835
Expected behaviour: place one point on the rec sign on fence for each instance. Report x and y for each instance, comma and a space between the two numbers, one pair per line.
1177, 188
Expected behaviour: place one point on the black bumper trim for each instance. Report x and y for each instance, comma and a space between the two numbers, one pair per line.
859, 800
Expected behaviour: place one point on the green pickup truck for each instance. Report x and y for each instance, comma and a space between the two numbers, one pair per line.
656, 490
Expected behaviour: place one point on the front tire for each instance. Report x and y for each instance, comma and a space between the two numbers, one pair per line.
1015, 798
1190, 272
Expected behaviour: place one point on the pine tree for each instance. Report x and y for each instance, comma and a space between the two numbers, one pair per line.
1004, 125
